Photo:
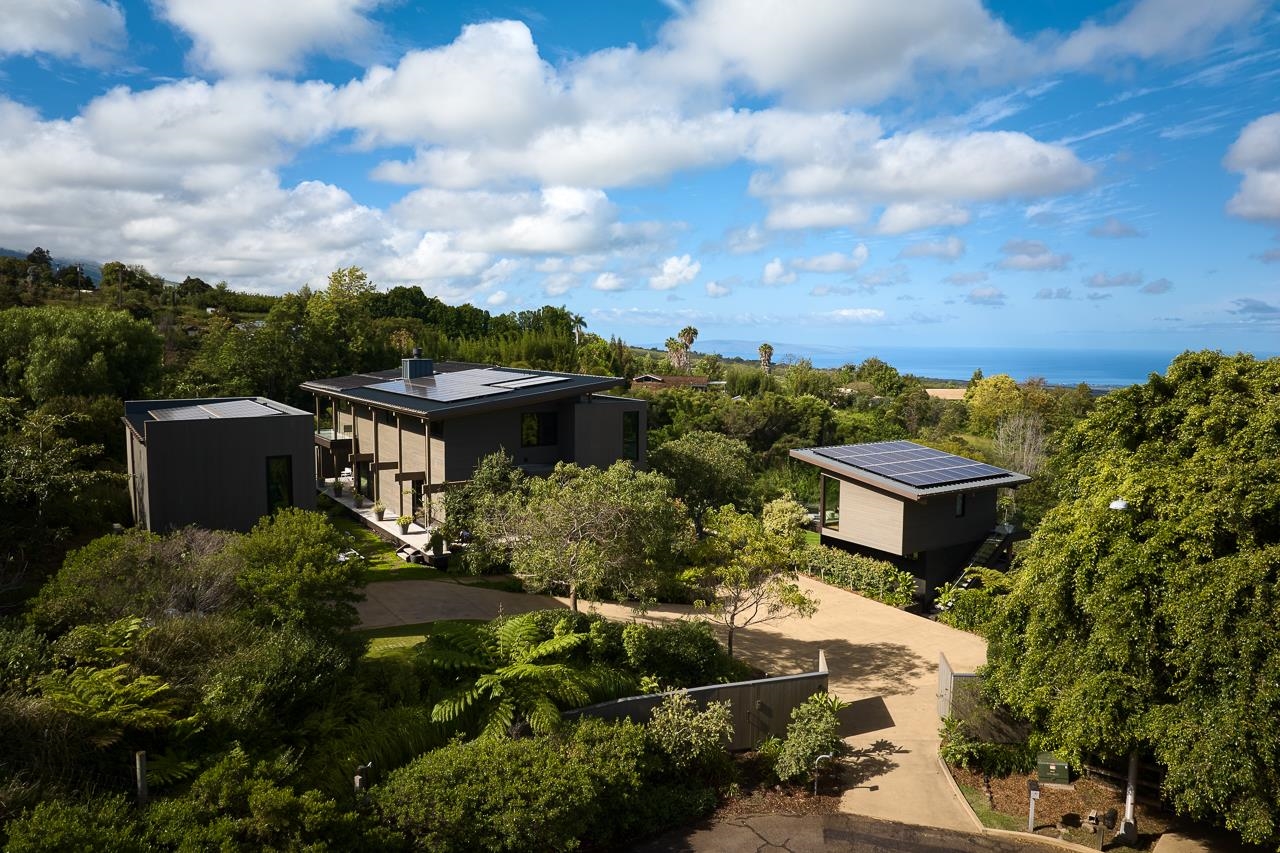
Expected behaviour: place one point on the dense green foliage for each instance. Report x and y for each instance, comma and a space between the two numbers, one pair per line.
1154, 627
867, 576
707, 469
588, 532
813, 732
959, 749
597, 783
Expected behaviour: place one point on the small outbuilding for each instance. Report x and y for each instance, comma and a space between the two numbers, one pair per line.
924, 510
220, 463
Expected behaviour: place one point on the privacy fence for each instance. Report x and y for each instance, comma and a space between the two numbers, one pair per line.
760, 708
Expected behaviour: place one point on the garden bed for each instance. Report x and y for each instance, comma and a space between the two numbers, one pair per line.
1060, 811
756, 793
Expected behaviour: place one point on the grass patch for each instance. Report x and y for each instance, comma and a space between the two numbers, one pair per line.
989, 817
400, 639
811, 537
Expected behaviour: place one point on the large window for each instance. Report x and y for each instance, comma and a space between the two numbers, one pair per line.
279, 482
830, 502
631, 436
538, 429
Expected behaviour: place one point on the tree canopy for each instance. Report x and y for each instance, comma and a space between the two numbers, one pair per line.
590, 531
1153, 627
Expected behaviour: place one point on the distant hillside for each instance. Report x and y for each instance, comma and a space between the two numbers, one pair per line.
92, 269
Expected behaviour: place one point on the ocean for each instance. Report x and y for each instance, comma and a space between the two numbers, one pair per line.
1100, 368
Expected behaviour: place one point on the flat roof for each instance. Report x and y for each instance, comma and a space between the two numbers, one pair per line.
138, 412
907, 469
457, 388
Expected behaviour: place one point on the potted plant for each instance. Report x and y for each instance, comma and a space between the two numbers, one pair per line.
337, 488
436, 544
404, 521
379, 509
359, 498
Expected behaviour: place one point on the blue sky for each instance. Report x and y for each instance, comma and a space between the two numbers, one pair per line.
839, 174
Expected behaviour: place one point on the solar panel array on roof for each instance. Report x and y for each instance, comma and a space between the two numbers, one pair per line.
180, 413
532, 380
461, 384
239, 409
910, 463
220, 409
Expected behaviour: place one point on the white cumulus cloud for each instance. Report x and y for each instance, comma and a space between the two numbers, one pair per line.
675, 271
87, 30
250, 36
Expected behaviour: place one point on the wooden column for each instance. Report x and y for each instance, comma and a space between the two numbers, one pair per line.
426, 493
399, 463
375, 473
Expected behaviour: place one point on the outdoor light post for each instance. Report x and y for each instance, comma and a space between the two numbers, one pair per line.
1033, 793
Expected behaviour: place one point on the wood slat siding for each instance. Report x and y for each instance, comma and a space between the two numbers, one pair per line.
869, 517
760, 708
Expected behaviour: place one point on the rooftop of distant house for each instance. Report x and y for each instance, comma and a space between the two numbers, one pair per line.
657, 380
422, 386
907, 469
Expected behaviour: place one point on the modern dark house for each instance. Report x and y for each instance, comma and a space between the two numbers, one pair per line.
220, 463
921, 509
406, 433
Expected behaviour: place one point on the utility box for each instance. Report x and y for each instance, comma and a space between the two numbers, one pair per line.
1050, 768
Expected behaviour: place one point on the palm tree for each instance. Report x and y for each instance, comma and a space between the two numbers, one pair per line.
687, 336
766, 358
579, 326
677, 353
511, 675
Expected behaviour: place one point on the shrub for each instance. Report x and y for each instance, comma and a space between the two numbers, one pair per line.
684, 653
24, 656
100, 825
814, 730
691, 741
238, 804
389, 738
270, 684
493, 794
993, 759
875, 579
968, 609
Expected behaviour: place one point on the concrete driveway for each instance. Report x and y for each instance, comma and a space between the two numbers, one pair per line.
883, 660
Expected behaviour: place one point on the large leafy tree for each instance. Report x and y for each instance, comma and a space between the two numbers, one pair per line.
1153, 627
56, 352
708, 469
590, 531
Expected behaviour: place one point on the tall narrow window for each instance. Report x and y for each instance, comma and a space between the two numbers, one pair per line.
631, 436
960, 505
538, 429
279, 482
830, 502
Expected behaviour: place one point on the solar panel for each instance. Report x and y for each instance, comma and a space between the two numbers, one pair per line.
910, 463
180, 413
218, 409
239, 409
533, 380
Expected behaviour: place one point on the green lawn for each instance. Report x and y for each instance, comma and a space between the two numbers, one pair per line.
381, 561
400, 639
811, 537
